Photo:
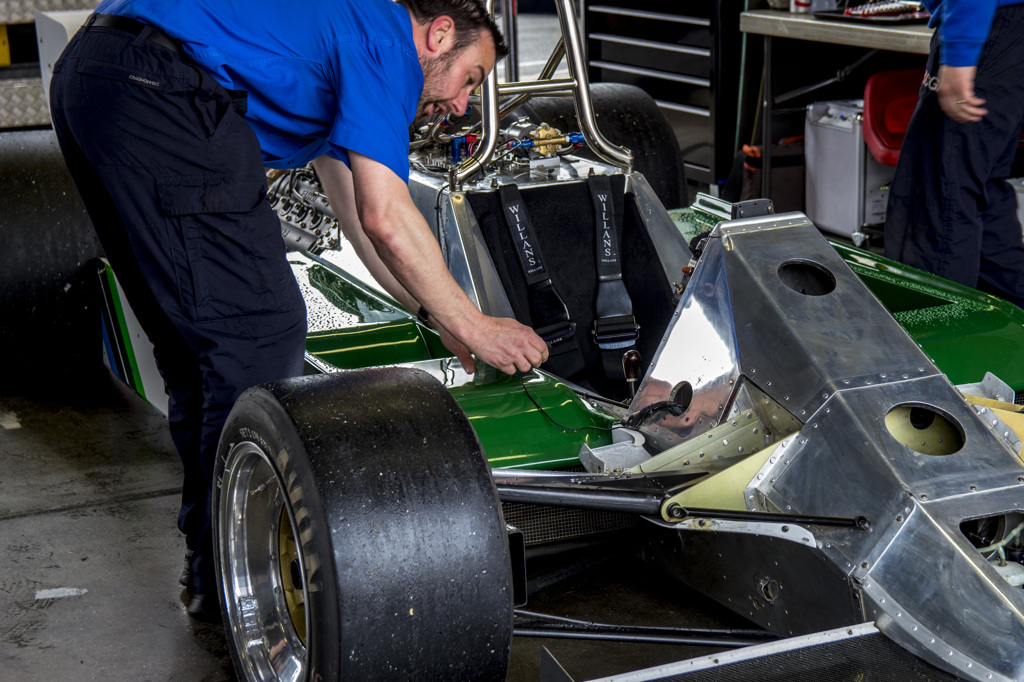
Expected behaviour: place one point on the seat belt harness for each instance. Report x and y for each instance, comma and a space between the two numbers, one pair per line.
615, 328
548, 313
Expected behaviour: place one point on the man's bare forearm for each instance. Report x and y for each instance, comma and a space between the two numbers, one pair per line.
391, 235
336, 179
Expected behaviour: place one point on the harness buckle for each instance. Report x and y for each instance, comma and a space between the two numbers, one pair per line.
616, 332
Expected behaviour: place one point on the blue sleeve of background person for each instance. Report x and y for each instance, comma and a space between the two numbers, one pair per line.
963, 27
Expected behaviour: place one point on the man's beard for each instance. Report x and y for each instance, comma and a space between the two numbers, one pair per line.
433, 71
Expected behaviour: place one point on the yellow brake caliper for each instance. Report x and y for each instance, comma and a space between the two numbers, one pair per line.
291, 575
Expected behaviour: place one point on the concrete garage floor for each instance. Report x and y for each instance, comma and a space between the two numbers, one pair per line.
89, 489
90, 556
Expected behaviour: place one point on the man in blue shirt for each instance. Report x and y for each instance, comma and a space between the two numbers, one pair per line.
167, 113
951, 211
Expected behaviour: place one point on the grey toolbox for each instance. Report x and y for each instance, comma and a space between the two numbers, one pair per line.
846, 188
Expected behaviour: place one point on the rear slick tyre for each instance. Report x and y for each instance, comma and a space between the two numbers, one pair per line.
358, 533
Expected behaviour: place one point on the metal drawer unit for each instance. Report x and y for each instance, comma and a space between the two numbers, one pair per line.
685, 54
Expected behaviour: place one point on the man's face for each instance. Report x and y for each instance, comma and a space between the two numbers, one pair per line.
449, 78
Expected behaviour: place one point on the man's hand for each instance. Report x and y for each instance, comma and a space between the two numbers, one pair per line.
956, 94
500, 342
507, 345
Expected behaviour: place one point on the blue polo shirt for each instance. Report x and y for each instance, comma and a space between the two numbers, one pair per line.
964, 26
322, 76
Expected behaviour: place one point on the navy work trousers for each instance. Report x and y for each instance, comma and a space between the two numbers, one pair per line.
951, 211
173, 181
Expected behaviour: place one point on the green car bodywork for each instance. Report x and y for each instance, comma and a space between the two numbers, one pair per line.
512, 430
962, 330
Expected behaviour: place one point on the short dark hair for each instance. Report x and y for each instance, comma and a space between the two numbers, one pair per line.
470, 18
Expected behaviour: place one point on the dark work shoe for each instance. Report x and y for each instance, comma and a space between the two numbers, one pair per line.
186, 573
205, 608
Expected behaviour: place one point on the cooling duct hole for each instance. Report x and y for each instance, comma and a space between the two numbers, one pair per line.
682, 394
925, 429
807, 277
921, 418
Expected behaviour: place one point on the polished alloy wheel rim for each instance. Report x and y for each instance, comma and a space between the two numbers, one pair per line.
261, 568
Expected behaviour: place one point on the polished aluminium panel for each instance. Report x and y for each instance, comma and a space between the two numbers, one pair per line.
673, 252
739, 316
800, 347
491, 296
942, 601
846, 462
777, 421
458, 233
699, 348
772, 314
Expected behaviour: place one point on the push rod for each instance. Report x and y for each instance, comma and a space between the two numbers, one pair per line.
695, 640
628, 501
677, 511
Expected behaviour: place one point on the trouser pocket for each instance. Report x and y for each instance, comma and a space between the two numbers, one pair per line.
229, 258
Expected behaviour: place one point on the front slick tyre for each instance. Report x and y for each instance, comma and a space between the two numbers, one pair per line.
358, 533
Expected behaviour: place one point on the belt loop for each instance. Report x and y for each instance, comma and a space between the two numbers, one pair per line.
143, 35
91, 18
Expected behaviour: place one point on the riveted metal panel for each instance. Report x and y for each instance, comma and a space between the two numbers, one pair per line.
24, 103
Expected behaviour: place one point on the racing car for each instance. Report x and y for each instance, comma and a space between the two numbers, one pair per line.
812, 435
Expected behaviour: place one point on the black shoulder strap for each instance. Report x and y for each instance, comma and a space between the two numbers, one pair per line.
615, 330
548, 312
524, 239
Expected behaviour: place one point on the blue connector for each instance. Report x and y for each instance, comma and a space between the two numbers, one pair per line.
457, 144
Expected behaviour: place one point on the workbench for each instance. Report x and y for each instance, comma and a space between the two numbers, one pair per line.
912, 38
